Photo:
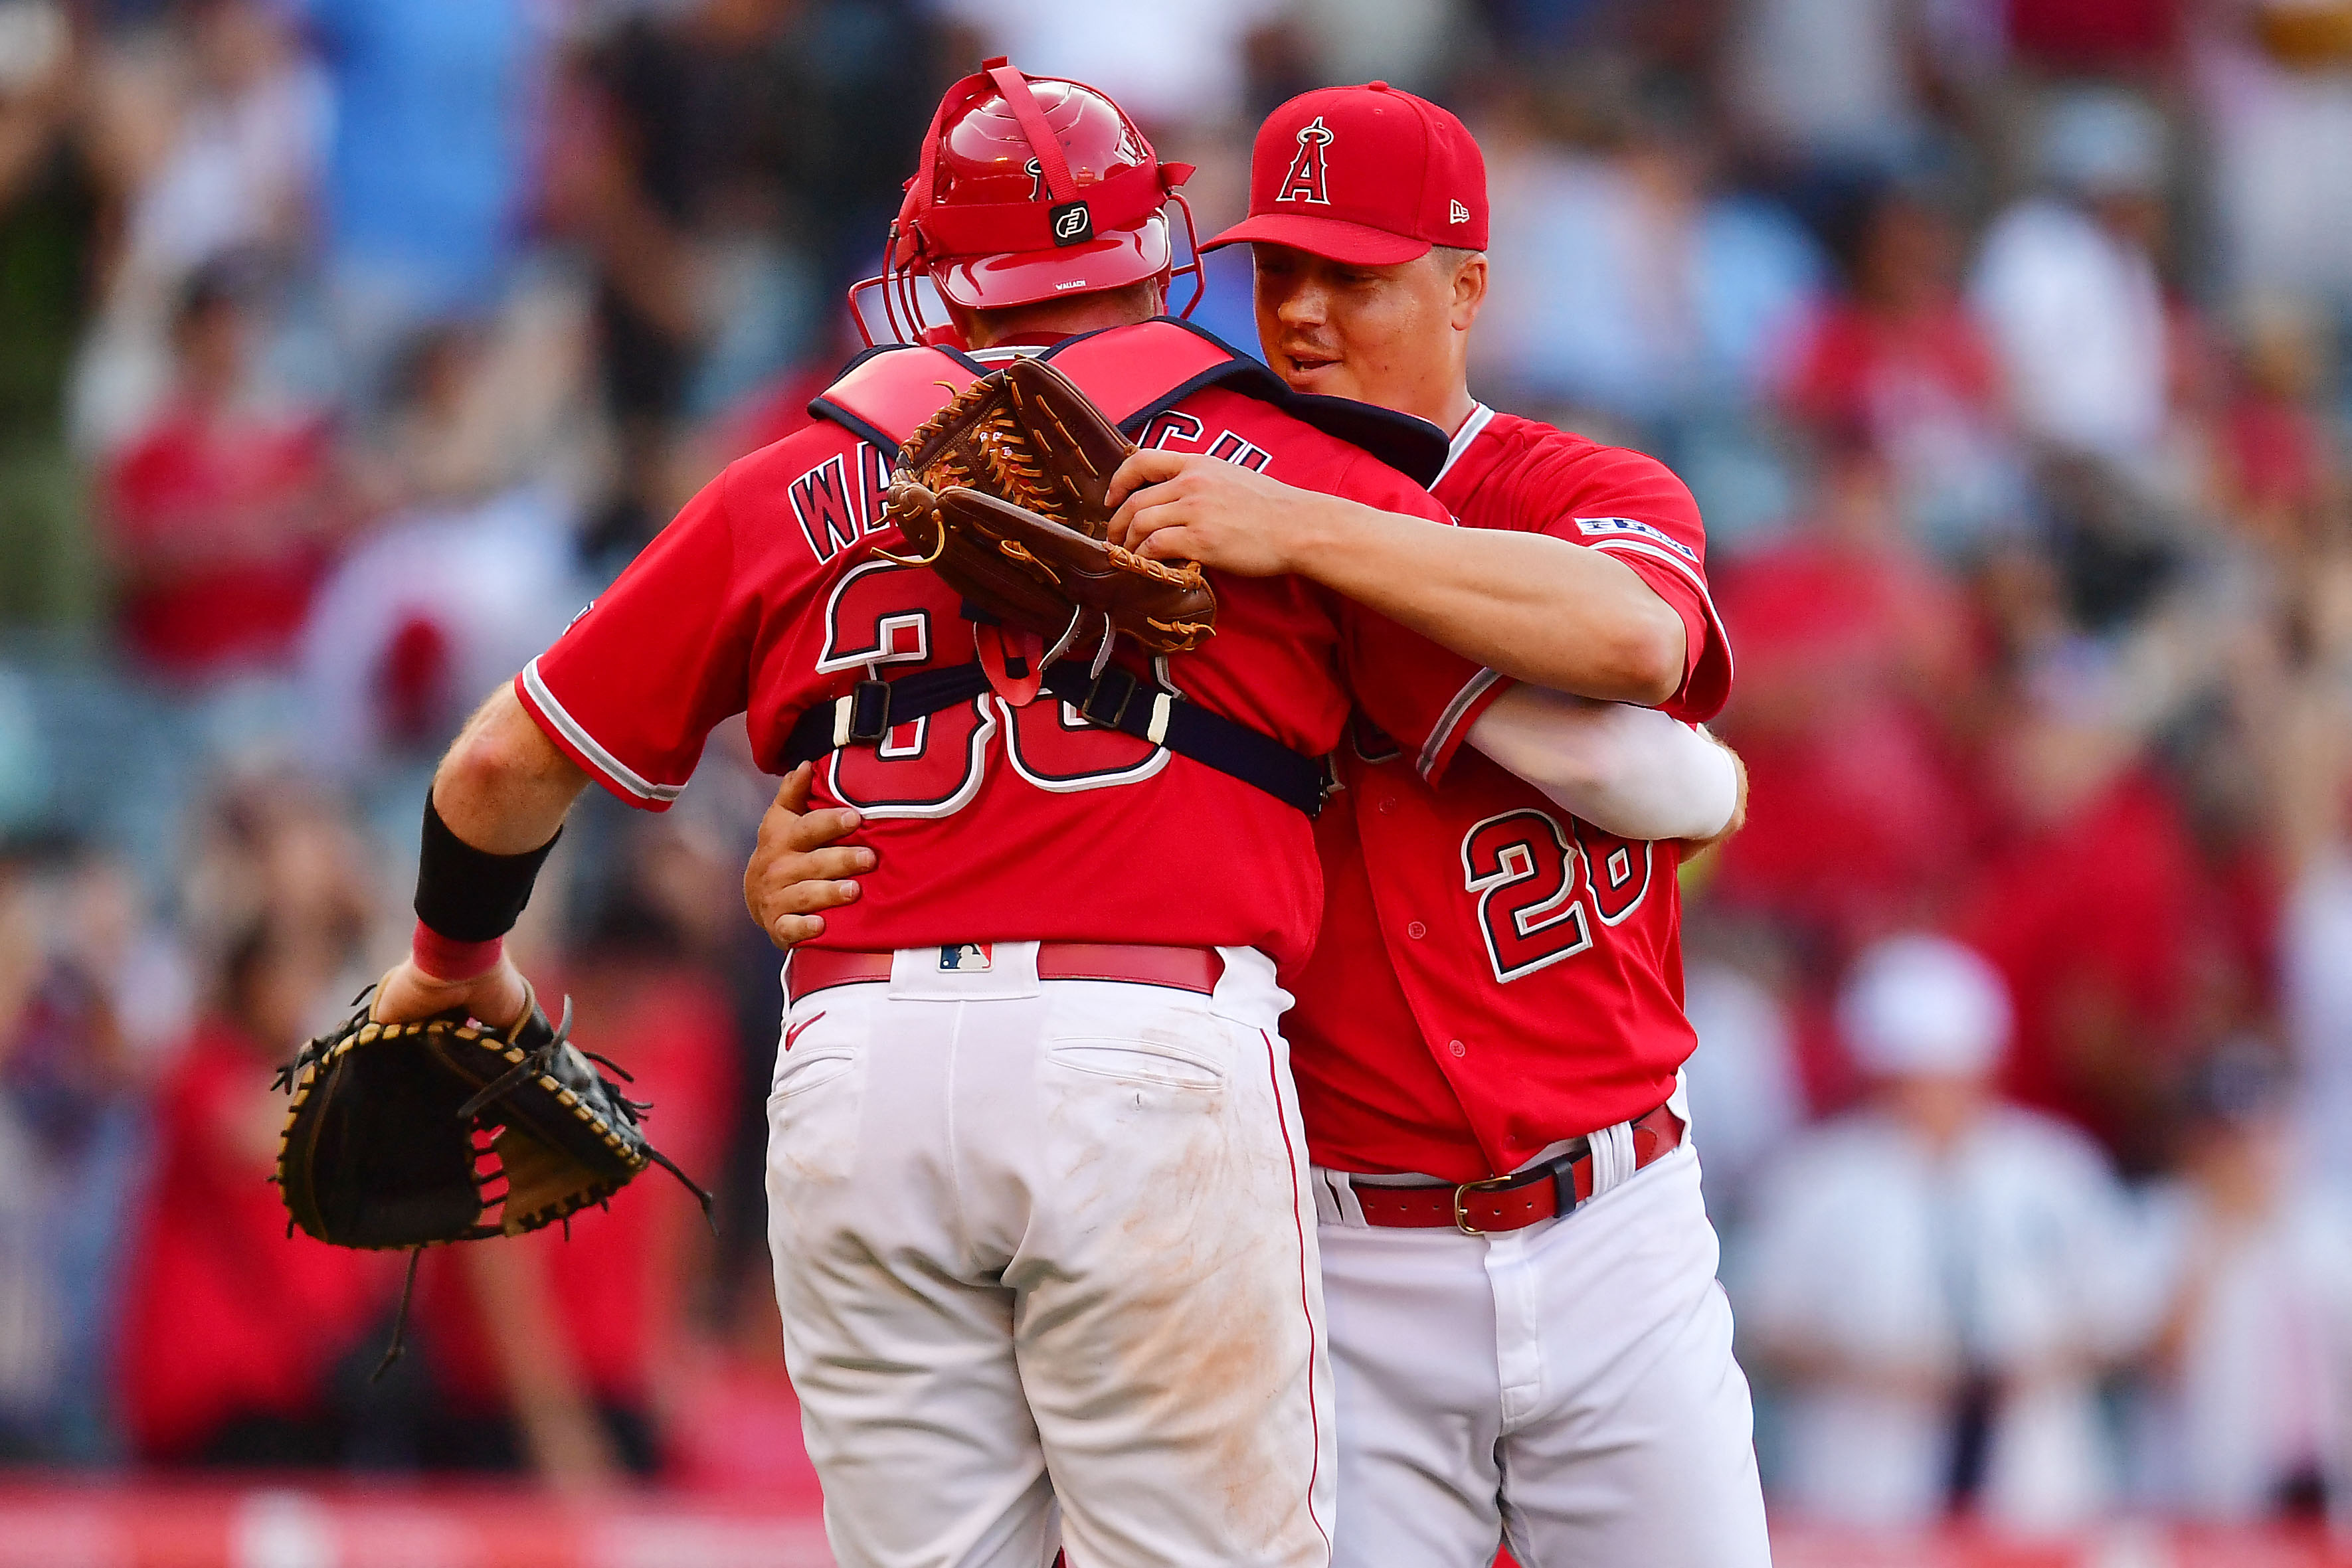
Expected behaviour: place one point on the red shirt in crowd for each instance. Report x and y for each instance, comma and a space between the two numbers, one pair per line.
1860, 370
616, 1278
210, 523
1860, 817
2090, 919
226, 1315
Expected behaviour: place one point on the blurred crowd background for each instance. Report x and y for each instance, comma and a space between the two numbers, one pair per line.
348, 346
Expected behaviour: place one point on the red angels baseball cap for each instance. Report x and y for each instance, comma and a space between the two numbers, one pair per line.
1370, 176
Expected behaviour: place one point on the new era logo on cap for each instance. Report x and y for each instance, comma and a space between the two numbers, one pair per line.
1457, 212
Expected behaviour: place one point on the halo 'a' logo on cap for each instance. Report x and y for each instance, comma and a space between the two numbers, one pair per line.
1309, 176
1457, 213
1071, 223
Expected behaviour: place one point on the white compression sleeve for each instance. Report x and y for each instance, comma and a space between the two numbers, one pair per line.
1632, 771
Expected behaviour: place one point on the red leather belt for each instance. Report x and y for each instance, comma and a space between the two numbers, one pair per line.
1520, 1199
1178, 968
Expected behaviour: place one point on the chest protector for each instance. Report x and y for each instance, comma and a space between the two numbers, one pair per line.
1131, 373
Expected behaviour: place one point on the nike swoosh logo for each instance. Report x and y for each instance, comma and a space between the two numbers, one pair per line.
793, 1034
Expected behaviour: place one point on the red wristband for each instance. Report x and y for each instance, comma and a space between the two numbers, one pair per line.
445, 958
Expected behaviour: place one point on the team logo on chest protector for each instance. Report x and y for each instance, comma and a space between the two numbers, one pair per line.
1308, 178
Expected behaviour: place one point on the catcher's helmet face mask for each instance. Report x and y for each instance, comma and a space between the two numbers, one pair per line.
1030, 189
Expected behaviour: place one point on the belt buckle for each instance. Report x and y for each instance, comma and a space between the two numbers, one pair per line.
1491, 1184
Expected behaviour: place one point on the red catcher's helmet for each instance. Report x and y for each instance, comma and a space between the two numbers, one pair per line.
1029, 188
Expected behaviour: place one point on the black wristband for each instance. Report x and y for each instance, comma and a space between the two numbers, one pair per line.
468, 894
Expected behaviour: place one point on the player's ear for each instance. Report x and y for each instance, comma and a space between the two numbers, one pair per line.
1469, 289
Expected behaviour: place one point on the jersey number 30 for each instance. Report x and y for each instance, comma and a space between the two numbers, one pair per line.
887, 615
1538, 892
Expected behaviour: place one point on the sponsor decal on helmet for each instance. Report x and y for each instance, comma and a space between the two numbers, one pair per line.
1072, 225
1308, 175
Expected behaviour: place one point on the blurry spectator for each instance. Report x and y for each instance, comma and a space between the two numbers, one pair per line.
220, 508
2088, 36
2252, 1412
2318, 994
2089, 904
1830, 82
215, 146
470, 575
2067, 282
245, 1346
428, 616
1626, 282
1743, 1082
436, 102
1852, 656
2281, 474
1408, 42
32, 1325
50, 241
78, 1023
555, 1351
1899, 361
2309, 736
1169, 66
1939, 1279
2276, 77
272, 847
725, 165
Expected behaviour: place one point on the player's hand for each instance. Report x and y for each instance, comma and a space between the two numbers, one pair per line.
797, 869
407, 994
1692, 848
1183, 505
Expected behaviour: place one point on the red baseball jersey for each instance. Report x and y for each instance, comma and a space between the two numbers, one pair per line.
991, 823
1494, 974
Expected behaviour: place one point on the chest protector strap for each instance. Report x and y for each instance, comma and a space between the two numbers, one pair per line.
1132, 373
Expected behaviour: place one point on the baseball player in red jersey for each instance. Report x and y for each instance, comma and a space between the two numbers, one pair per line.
1039, 1197
1529, 1339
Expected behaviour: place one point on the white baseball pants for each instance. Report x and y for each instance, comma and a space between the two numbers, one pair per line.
1568, 1388
1041, 1244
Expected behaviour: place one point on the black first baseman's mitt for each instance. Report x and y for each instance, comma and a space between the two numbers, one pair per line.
409, 1135
1001, 492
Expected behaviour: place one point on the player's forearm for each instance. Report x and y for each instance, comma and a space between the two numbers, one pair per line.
1534, 607
1631, 771
504, 788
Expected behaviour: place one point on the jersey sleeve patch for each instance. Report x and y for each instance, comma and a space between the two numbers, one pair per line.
573, 740
1625, 527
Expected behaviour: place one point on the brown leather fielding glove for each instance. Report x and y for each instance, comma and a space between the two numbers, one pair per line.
1000, 493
